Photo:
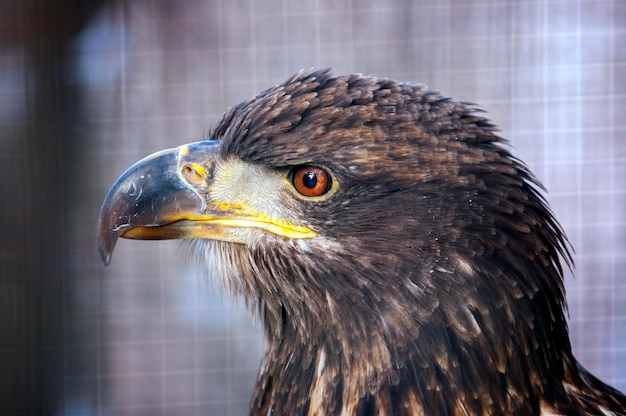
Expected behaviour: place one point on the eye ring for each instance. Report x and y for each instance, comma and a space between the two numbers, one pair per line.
310, 181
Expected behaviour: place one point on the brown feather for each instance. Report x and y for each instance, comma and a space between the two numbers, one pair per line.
434, 285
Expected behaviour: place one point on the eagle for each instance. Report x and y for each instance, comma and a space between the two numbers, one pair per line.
400, 259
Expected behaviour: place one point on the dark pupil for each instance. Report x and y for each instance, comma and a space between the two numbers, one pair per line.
309, 180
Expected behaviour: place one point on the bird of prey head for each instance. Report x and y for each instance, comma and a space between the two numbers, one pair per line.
401, 260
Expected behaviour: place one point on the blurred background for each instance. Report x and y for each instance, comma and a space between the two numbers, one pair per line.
89, 87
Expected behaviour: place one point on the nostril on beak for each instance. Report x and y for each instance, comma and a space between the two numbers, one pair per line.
194, 174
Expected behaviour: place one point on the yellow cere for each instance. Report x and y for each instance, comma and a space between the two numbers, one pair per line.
183, 151
199, 169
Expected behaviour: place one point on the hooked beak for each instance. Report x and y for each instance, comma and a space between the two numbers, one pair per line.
167, 195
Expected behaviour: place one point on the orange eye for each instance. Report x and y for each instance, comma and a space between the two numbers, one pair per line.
310, 180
